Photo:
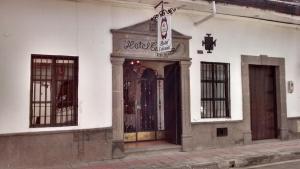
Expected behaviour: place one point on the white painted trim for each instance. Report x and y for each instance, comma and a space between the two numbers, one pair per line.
224, 11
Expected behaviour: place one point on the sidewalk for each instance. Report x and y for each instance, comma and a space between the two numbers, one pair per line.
211, 158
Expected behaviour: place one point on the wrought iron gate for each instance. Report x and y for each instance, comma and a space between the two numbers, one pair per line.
143, 109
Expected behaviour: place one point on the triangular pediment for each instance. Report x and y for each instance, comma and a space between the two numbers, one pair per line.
147, 28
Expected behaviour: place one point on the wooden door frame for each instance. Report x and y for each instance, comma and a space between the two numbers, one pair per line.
279, 64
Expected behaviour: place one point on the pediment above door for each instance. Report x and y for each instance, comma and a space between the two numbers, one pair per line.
139, 41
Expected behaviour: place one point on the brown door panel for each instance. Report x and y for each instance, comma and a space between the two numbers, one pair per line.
263, 102
172, 103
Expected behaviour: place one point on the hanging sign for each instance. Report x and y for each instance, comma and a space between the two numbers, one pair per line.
164, 34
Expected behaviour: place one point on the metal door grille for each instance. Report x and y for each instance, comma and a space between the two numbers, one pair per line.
215, 90
143, 105
54, 81
138, 116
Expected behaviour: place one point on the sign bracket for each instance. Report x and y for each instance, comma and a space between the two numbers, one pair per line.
163, 11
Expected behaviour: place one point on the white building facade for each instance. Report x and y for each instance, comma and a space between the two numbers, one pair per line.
92, 33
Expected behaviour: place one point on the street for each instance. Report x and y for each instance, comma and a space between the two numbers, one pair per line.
294, 164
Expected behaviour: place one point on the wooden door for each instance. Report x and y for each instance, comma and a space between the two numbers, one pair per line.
172, 103
263, 102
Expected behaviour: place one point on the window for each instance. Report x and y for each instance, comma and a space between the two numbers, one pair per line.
215, 94
54, 83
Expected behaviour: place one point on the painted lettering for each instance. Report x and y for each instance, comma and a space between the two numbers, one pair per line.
164, 42
131, 44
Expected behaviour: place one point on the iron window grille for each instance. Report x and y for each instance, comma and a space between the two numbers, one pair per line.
54, 95
215, 90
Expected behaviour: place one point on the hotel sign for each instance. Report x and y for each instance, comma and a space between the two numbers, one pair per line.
140, 41
151, 46
164, 34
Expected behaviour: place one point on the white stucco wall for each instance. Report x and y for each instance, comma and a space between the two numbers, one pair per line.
58, 27
249, 37
55, 28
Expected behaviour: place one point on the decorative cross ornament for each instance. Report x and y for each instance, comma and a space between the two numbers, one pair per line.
209, 43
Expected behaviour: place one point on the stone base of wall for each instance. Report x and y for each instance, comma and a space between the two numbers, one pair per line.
205, 134
54, 148
294, 128
65, 147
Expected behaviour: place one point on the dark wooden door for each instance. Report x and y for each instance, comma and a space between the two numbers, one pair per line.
172, 103
263, 102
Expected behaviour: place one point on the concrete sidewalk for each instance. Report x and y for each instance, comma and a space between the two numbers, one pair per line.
210, 158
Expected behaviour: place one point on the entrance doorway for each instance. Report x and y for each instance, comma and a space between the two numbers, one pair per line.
151, 101
263, 102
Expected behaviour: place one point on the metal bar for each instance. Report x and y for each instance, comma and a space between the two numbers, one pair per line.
220, 89
60, 91
32, 91
176, 96
207, 89
136, 112
74, 104
145, 108
59, 81
45, 99
202, 102
202, 88
223, 93
212, 93
72, 90
146, 115
67, 92
53, 93
40, 93
227, 94
159, 106
160, 3
76, 87
216, 91
213, 90
224, 90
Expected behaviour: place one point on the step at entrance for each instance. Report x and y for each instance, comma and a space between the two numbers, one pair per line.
149, 147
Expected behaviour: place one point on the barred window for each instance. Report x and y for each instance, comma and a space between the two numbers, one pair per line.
54, 83
215, 94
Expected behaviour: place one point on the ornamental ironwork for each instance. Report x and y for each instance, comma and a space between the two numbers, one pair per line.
163, 11
209, 42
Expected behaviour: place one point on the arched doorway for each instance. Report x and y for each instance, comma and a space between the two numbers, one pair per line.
138, 42
151, 101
